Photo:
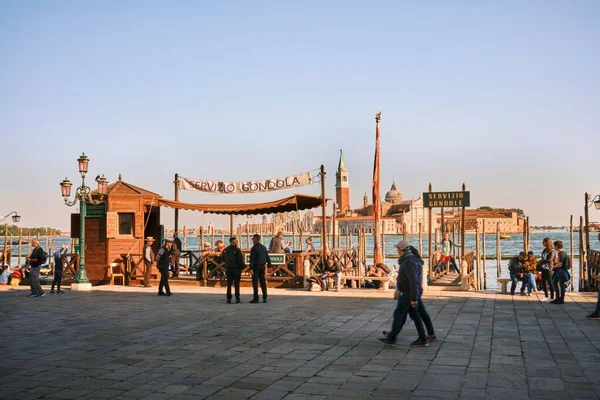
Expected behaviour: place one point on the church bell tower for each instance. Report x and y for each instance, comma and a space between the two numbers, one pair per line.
342, 186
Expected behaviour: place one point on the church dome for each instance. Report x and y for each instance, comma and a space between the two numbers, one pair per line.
393, 196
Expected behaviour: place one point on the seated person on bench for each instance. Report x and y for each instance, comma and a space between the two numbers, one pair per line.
332, 269
376, 272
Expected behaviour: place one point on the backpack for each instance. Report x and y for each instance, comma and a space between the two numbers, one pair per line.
44, 258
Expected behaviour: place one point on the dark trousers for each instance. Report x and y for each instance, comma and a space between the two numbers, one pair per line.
560, 287
424, 317
233, 277
34, 281
258, 275
147, 272
57, 279
164, 281
402, 309
514, 278
547, 283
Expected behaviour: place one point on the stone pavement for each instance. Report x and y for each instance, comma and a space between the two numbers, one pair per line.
129, 343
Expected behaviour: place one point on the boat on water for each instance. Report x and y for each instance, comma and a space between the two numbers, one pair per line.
504, 236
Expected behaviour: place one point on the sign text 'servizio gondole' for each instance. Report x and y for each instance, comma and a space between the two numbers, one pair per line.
446, 199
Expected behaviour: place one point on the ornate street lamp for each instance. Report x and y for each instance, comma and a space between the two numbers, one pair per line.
16, 217
83, 194
595, 201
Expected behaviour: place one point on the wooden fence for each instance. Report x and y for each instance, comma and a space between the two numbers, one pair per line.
593, 266
467, 271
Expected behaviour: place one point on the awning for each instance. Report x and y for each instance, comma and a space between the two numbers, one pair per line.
297, 202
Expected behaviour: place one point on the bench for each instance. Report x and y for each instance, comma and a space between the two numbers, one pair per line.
503, 282
360, 279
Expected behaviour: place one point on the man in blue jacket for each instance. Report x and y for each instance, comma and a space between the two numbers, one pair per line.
258, 259
409, 285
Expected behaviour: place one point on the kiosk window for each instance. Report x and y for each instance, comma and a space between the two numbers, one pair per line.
126, 221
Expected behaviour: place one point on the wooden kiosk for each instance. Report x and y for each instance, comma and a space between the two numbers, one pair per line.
116, 227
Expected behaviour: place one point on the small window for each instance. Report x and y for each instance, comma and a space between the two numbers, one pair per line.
126, 221
344, 179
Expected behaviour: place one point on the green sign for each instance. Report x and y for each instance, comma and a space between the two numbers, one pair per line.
276, 259
446, 199
95, 210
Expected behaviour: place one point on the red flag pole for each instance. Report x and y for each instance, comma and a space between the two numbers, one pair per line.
377, 258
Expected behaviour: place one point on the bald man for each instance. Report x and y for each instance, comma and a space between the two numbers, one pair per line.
35, 261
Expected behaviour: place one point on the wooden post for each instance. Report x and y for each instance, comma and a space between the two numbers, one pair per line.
442, 222
201, 239
324, 217
184, 244
587, 224
377, 257
20, 244
47, 248
294, 237
571, 256
478, 283
212, 236
462, 227
483, 258
404, 231
582, 254
498, 251
231, 225
383, 239
333, 219
420, 238
223, 235
28, 242
429, 244
248, 236
176, 187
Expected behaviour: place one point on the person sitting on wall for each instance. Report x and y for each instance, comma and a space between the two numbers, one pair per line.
17, 276
277, 245
333, 269
5, 274
217, 255
375, 271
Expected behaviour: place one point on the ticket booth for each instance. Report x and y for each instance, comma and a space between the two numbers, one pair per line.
117, 227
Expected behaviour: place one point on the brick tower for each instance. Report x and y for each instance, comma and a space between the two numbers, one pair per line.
342, 186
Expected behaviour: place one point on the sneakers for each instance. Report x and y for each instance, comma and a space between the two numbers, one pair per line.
254, 301
421, 342
528, 294
59, 291
264, 300
593, 315
431, 338
169, 294
386, 340
228, 301
52, 292
40, 295
31, 295
161, 294
238, 301
557, 301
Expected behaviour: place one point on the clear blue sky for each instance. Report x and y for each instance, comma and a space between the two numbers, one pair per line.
504, 96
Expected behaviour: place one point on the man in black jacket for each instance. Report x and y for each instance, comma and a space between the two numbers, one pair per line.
409, 284
35, 261
176, 250
234, 264
258, 259
164, 258
516, 269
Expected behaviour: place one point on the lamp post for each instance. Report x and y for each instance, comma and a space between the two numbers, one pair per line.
16, 217
83, 194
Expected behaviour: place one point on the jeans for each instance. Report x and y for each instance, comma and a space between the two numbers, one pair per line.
57, 280
34, 281
233, 277
424, 317
147, 272
258, 275
559, 280
514, 278
530, 279
402, 308
547, 283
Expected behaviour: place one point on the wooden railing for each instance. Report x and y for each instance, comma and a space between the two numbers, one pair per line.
467, 271
6, 256
593, 267
70, 265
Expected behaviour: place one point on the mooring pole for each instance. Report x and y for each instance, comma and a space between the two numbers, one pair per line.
176, 199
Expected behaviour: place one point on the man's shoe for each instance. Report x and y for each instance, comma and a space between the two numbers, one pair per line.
228, 301
161, 294
237, 301
52, 292
593, 315
254, 301
59, 291
522, 293
431, 338
421, 342
31, 295
264, 300
557, 301
40, 295
169, 294
386, 340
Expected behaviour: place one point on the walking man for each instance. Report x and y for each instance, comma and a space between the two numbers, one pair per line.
234, 264
409, 284
258, 259
149, 259
36, 259
176, 252
164, 257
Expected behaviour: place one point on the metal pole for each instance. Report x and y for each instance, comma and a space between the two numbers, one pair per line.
81, 275
587, 224
177, 199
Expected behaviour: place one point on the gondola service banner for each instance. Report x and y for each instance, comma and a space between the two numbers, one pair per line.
269, 185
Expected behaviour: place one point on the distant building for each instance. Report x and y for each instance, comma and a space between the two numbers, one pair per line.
396, 212
508, 221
